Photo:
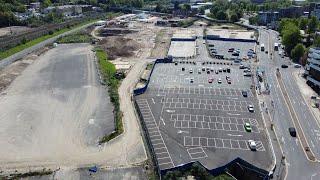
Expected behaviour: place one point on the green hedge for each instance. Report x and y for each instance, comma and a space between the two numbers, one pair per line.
108, 72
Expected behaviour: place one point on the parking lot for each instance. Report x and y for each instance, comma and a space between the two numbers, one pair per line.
222, 48
202, 121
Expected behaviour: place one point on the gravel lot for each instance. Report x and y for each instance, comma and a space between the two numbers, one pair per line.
56, 108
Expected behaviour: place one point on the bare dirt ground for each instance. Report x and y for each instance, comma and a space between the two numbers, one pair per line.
162, 43
117, 46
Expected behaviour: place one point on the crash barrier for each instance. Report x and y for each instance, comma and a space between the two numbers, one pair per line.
238, 167
215, 37
143, 89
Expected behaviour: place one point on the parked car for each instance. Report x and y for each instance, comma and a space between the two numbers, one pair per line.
230, 49
247, 127
191, 80
297, 66
190, 71
183, 69
250, 108
219, 81
210, 80
220, 69
217, 72
292, 132
244, 93
247, 74
284, 66
241, 66
228, 70
175, 63
252, 145
199, 71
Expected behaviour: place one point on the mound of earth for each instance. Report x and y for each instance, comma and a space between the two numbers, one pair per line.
116, 47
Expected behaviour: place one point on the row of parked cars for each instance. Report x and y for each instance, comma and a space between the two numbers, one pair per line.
246, 70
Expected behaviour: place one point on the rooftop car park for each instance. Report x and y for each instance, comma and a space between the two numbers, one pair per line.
232, 50
200, 120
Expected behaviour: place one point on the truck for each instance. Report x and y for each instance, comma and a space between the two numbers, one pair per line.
262, 47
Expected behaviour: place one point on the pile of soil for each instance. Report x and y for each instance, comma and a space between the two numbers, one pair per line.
117, 46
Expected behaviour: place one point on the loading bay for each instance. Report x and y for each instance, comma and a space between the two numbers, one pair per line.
191, 119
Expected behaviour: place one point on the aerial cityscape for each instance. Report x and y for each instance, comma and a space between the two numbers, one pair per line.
160, 89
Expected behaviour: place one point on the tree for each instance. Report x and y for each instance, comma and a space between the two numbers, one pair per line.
316, 41
234, 17
221, 15
186, 7
297, 52
313, 24
291, 36
253, 20
45, 3
303, 23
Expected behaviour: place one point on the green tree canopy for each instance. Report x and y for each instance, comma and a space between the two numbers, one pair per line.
221, 15
234, 17
297, 52
313, 24
303, 23
290, 36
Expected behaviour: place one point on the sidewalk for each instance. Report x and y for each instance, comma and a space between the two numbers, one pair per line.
280, 170
307, 92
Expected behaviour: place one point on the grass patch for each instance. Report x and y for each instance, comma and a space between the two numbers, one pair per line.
108, 73
24, 45
149, 66
187, 22
77, 37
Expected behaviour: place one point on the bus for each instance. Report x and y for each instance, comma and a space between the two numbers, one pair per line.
276, 46
262, 47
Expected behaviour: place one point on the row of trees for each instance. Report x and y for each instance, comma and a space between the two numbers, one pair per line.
225, 10
292, 39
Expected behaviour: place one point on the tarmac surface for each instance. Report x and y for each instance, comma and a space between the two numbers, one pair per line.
222, 48
56, 108
201, 121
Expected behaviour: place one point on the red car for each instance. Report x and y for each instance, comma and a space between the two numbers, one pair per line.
210, 80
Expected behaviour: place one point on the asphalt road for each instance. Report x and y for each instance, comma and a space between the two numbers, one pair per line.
298, 165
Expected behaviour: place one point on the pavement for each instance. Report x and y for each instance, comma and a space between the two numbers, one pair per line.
201, 121
280, 114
